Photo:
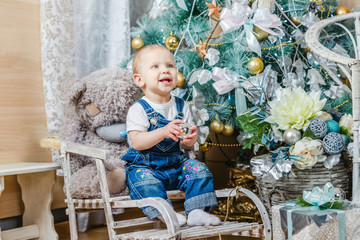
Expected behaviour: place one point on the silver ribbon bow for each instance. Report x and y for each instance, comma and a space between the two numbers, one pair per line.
213, 56
240, 15
225, 80
234, 18
334, 92
309, 19
253, 85
263, 167
200, 115
267, 21
315, 79
202, 76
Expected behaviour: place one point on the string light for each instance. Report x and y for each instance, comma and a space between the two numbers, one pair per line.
278, 46
224, 144
221, 105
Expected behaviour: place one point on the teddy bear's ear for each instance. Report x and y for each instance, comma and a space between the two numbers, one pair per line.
76, 91
78, 95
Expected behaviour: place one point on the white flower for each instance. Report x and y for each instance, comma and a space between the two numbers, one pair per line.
295, 108
347, 121
311, 152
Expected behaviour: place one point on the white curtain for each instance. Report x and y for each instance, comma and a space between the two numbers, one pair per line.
101, 34
77, 38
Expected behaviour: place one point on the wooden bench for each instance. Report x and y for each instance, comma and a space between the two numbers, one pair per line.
36, 181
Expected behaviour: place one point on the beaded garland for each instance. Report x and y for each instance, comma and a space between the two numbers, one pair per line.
318, 127
333, 143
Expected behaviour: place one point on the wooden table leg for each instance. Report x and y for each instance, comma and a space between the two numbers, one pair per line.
36, 189
2, 187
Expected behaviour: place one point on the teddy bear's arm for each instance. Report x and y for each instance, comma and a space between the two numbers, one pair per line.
113, 133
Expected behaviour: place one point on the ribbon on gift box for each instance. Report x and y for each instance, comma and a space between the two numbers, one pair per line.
318, 197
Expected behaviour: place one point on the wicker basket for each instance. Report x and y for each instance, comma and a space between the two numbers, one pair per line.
293, 186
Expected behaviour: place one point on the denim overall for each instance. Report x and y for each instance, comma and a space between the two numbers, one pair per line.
151, 172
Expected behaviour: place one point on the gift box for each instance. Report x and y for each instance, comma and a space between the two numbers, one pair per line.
291, 221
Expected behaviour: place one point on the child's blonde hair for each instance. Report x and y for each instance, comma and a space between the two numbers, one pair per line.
138, 55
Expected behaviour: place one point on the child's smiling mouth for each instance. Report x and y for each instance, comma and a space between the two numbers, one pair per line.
166, 80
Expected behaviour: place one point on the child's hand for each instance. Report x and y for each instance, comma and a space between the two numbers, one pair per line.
172, 130
191, 138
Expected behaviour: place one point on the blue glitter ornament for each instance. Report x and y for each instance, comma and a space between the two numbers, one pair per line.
333, 126
346, 139
333, 143
318, 127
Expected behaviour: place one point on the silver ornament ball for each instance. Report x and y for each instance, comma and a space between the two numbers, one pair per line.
340, 194
291, 136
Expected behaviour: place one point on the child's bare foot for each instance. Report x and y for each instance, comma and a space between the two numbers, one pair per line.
198, 217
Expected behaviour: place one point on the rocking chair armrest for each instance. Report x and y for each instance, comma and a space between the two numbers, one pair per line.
167, 212
165, 209
70, 147
260, 206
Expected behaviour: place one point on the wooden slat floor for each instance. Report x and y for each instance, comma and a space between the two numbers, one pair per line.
100, 233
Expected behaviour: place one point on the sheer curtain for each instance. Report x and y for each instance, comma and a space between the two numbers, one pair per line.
77, 38
101, 34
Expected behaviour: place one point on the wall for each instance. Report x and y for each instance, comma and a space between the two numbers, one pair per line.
22, 115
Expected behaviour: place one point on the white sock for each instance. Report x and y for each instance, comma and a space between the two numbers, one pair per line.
181, 219
198, 217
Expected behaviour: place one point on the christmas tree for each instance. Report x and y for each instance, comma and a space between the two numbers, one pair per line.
236, 58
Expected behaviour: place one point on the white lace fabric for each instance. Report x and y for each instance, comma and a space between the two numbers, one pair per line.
77, 38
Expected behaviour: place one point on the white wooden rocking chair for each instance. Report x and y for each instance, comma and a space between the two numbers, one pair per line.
312, 41
172, 231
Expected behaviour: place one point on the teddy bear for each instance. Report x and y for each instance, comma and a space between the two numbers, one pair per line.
101, 101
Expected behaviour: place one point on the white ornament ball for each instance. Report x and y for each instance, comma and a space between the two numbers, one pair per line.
291, 136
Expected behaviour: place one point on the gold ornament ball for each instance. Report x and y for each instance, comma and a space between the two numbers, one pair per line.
295, 20
228, 130
342, 10
137, 43
216, 126
260, 34
206, 146
255, 65
181, 80
172, 42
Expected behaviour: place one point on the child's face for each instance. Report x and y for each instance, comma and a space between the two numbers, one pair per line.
157, 73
